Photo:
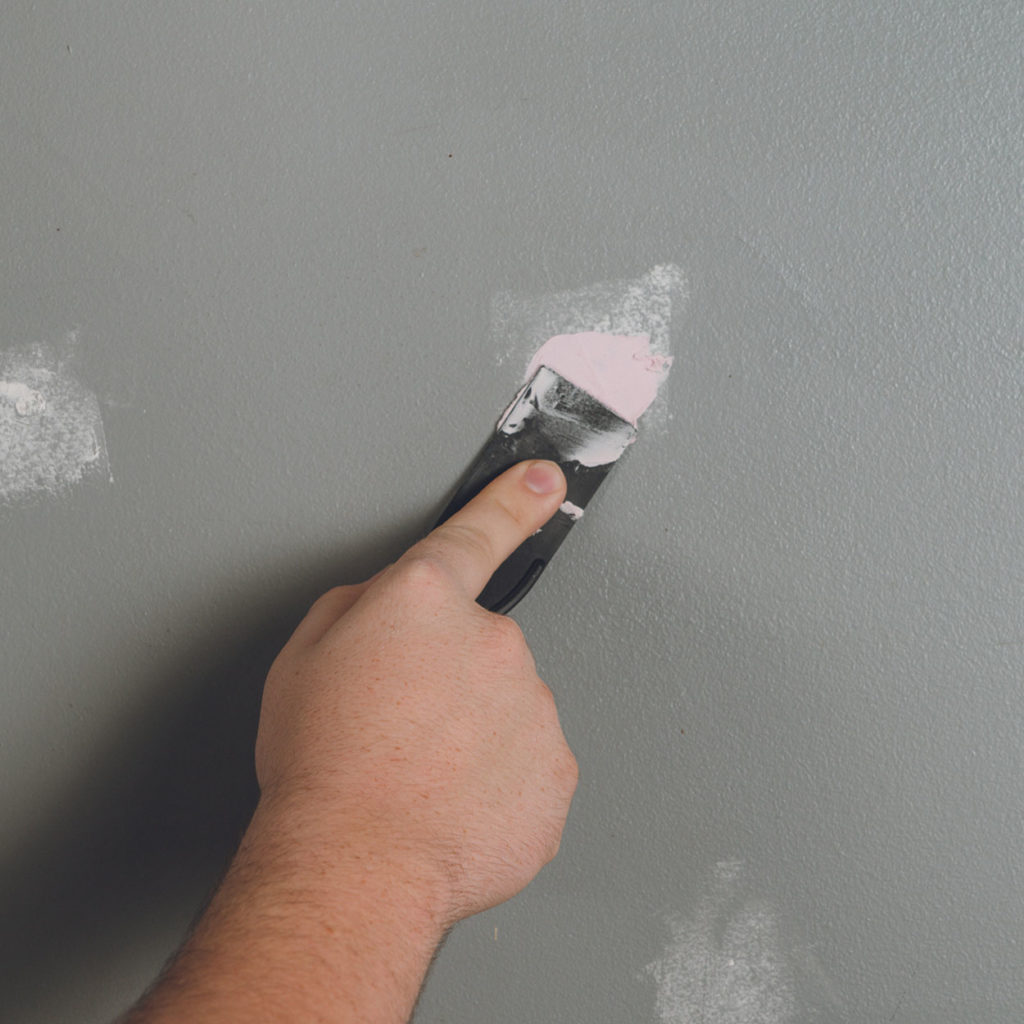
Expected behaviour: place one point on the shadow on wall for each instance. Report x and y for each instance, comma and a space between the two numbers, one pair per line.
154, 822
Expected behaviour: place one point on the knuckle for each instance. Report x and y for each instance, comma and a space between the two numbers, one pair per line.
552, 840
331, 598
546, 702
467, 536
505, 643
553, 847
507, 632
332, 602
422, 573
570, 770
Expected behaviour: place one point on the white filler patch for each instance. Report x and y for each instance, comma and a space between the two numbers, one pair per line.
520, 324
725, 963
51, 433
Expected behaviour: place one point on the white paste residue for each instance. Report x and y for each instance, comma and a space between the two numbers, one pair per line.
51, 433
572, 511
644, 305
26, 402
726, 963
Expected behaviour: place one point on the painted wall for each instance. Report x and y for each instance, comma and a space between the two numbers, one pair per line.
270, 273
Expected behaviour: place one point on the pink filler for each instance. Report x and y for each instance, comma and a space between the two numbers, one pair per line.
619, 370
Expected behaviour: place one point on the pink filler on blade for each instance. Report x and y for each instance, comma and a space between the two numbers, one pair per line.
619, 370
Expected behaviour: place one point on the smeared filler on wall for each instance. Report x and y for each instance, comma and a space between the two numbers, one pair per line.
51, 432
734, 960
725, 962
523, 325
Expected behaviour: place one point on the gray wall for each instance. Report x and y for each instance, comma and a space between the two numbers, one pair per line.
259, 260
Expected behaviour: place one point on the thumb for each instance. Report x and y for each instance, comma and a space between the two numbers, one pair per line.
485, 531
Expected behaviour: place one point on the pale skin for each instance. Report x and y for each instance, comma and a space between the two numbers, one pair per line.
412, 773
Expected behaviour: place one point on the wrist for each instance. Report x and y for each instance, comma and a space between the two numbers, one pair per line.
307, 925
344, 860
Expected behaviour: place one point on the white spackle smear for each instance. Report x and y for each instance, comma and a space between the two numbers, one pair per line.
51, 432
725, 963
647, 305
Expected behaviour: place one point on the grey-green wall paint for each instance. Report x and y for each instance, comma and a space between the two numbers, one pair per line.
271, 242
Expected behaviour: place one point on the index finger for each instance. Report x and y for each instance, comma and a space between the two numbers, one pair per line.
486, 530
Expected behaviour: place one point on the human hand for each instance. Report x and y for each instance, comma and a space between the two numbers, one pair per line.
406, 726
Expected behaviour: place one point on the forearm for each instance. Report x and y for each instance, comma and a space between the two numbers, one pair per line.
302, 930
414, 773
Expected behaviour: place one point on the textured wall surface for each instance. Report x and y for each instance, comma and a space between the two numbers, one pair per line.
264, 273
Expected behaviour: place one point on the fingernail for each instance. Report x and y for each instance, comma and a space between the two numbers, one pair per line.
543, 477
